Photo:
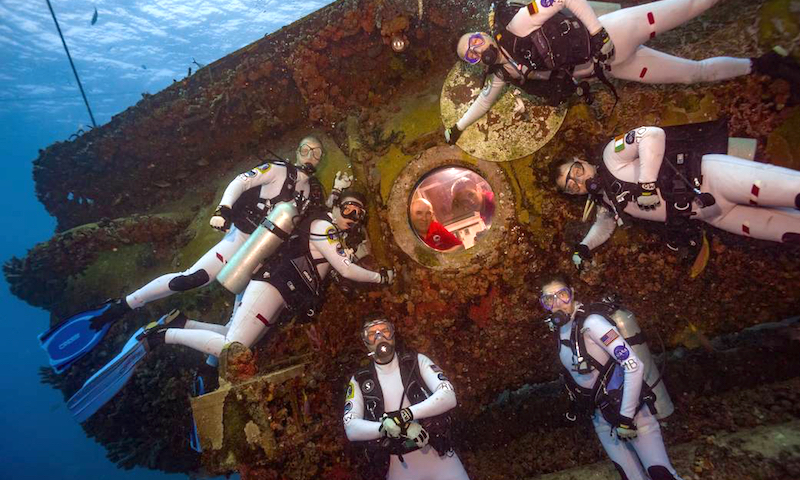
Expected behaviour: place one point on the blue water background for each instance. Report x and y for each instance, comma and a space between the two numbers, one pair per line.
135, 46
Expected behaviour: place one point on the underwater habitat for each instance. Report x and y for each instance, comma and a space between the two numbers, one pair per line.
433, 239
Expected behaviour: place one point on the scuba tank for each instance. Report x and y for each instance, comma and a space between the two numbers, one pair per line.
263, 242
629, 328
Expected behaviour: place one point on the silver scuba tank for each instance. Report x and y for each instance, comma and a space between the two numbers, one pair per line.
263, 242
628, 327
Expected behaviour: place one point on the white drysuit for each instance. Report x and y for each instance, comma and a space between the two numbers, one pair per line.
629, 29
643, 457
261, 303
422, 464
752, 199
269, 178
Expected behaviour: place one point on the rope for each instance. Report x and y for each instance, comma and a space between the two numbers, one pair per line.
72, 64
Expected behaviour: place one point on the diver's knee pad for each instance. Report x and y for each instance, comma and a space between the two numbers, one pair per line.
659, 472
790, 237
621, 472
181, 283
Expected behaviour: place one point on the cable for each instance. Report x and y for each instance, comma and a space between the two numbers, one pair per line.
71, 63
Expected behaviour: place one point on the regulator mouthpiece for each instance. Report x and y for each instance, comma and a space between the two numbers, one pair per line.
384, 349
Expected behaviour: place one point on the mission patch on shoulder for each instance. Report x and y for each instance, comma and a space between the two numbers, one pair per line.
350, 391
630, 137
264, 168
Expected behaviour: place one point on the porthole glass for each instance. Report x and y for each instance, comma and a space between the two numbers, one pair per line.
451, 208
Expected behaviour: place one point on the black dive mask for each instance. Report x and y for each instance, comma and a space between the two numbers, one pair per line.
593, 186
489, 56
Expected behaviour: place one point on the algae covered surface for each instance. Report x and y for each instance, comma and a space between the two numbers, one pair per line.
517, 125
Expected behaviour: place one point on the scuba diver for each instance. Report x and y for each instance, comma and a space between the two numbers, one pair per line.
604, 377
247, 200
545, 53
397, 410
292, 279
654, 174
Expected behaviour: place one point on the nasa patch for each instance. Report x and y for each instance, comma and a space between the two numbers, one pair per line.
350, 392
330, 234
630, 137
368, 386
622, 353
443, 378
347, 407
547, 3
340, 250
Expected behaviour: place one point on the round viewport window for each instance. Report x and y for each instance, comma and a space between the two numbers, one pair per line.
451, 209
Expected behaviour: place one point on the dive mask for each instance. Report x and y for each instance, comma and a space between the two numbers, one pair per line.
306, 150
371, 335
471, 56
548, 300
353, 210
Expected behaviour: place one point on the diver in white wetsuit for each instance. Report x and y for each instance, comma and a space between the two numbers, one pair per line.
739, 196
403, 428
597, 358
542, 56
245, 202
292, 278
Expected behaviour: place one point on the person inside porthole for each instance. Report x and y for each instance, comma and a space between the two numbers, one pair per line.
451, 208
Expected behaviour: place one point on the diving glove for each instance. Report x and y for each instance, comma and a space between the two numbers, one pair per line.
452, 134
648, 198
626, 430
342, 181
222, 218
580, 254
416, 435
396, 423
387, 276
601, 45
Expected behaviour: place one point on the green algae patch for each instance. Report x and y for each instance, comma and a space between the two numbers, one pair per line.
779, 25
114, 272
416, 118
783, 144
335, 160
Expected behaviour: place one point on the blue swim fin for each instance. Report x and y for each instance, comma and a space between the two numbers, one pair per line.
73, 338
109, 380
194, 439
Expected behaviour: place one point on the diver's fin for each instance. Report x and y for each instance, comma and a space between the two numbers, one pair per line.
194, 439
73, 338
109, 380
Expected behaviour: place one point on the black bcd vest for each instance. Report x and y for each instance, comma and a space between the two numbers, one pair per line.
248, 211
584, 401
376, 453
293, 270
684, 150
